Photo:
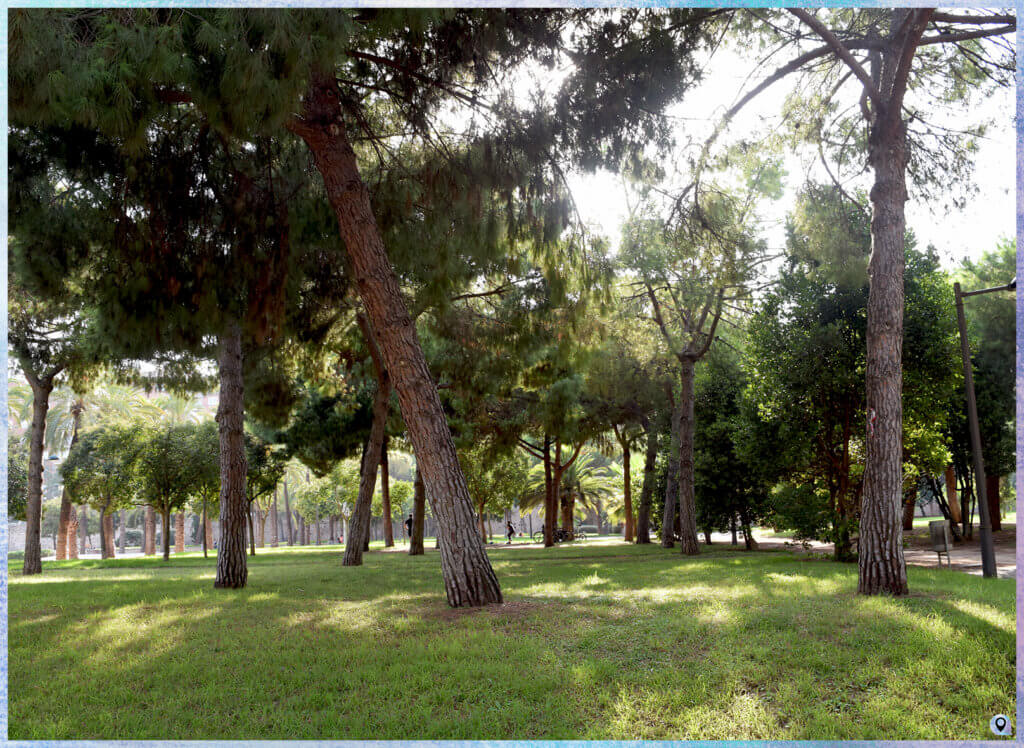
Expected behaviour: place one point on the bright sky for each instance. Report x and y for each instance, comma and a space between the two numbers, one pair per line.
988, 216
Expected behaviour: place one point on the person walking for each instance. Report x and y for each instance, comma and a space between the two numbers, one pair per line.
408, 527
510, 532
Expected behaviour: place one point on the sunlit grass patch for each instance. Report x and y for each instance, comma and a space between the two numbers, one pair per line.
609, 641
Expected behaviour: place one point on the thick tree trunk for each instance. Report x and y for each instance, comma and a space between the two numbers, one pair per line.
566, 503
108, 523
627, 491
954, 505
179, 532
707, 536
419, 506
687, 508
148, 532
72, 537
232, 570
880, 552
123, 530
385, 495
909, 502
33, 563
994, 508
468, 577
276, 516
165, 533
359, 532
643, 520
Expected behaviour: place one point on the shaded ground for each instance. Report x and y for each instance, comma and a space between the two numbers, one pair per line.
595, 641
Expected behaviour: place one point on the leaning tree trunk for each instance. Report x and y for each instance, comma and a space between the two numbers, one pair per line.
385, 495
643, 518
419, 507
232, 571
359, 526
179, 532
687, 508
880, 550
468, 577
33, 563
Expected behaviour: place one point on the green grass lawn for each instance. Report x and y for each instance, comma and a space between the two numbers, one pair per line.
608, 641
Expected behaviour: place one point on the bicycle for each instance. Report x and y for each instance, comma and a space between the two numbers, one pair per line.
561, 535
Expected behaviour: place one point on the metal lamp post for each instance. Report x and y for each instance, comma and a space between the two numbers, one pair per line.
988, 554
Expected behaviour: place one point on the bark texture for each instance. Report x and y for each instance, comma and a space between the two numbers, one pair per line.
419, 506
880, 552
468, 577
108, 533
232, 570
179, 532
72, 535
954, 505
149, 532
33, 562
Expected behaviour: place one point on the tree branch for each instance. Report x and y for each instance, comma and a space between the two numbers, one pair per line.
842, 50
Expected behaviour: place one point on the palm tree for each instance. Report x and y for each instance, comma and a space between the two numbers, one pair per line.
586, 481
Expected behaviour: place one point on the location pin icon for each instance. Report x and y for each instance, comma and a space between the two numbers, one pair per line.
1000, 723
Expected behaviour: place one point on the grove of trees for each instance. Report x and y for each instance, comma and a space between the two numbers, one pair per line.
354, 226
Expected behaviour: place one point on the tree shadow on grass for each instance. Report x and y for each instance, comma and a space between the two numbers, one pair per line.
705, 647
